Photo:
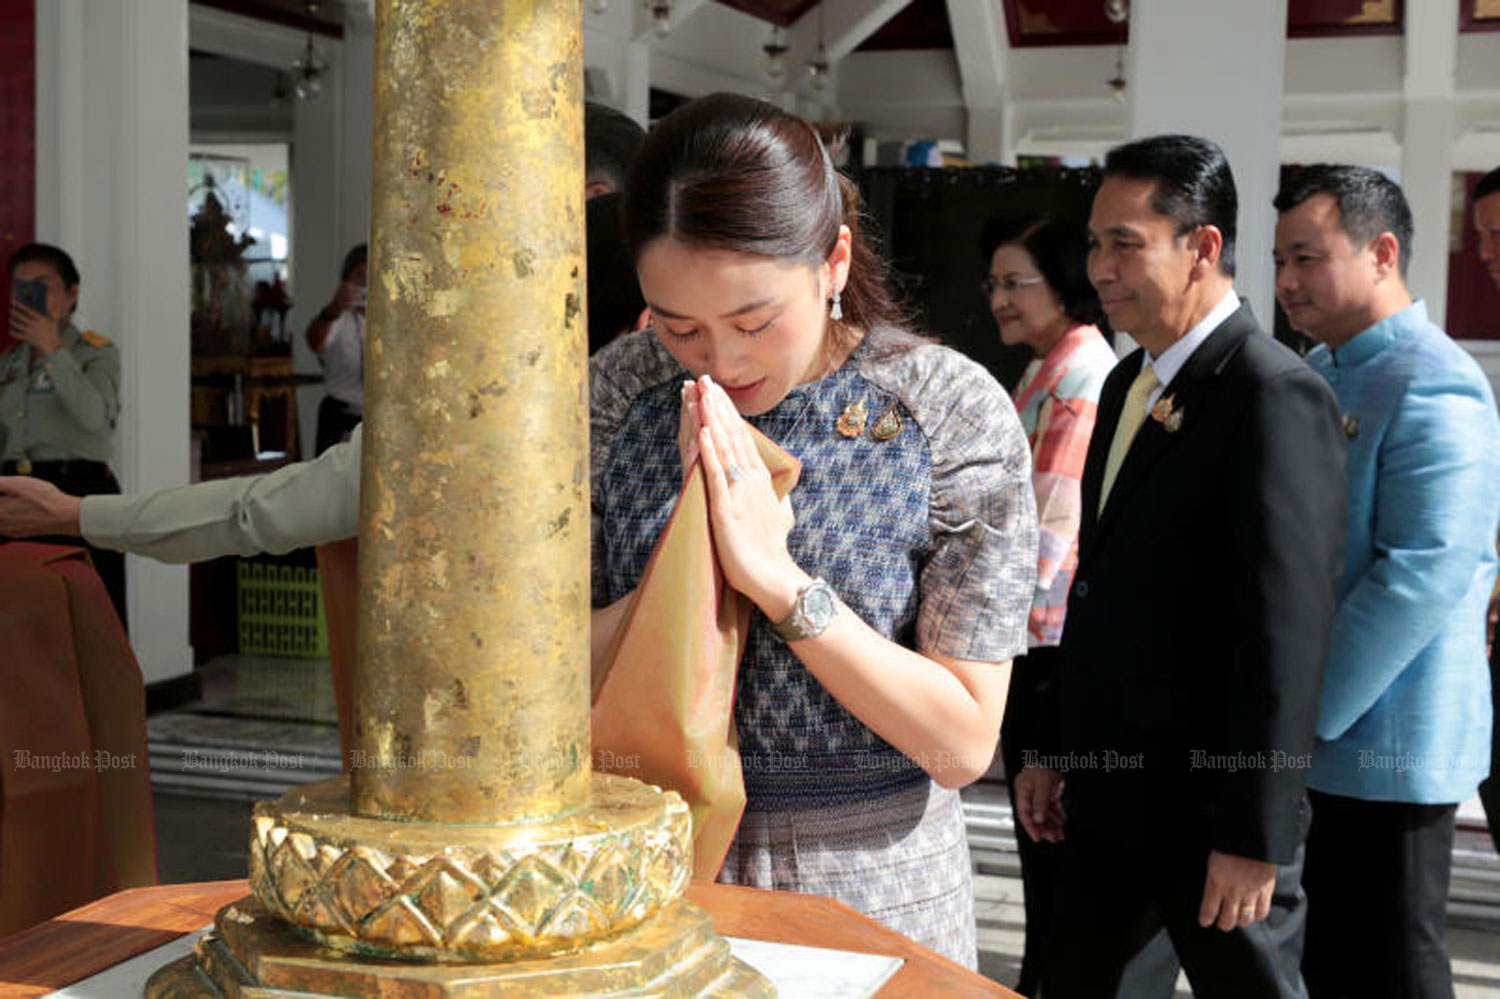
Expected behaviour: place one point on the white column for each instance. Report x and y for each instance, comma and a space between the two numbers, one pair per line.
357, 54
1427, 147
982, 47
1214, 68
319, 241
636, 92
112, 141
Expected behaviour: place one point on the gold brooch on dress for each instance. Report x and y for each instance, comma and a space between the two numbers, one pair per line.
1166, 413
888, 426
1350, 423
851, 422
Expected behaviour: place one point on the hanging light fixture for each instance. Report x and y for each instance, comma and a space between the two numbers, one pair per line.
1118, 83
775, 50
1118, 12
817, 66
308, 73
661, 16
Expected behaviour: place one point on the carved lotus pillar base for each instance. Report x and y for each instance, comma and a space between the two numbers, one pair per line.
478, 892
253, 955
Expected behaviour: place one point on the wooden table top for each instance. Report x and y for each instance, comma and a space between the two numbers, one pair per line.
101, 934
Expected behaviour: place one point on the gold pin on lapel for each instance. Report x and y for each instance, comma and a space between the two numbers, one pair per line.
1168, 414
1350, 424
851, 422
888, 426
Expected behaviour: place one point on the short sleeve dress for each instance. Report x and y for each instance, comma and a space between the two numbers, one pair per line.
924, 523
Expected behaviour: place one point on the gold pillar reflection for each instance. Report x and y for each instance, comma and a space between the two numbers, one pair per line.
472, 683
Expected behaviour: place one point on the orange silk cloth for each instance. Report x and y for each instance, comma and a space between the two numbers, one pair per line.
76, 818
664, 710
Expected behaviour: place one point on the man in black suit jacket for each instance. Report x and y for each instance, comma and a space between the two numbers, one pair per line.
1208, 561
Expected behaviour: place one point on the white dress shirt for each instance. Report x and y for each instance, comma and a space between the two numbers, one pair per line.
1174, 357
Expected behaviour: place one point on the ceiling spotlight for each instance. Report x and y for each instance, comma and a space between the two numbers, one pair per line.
598, 6
1118, 11
775, 49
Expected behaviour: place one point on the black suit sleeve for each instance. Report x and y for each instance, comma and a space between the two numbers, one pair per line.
1284, 550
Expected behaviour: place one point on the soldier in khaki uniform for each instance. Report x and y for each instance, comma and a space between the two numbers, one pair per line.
59, 392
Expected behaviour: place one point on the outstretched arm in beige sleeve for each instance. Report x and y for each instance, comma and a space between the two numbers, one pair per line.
308, 503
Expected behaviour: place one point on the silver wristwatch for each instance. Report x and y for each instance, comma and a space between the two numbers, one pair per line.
814, 610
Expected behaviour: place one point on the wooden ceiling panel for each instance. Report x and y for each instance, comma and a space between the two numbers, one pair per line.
1034, 23
782, 12
1083, 22
1324, 18
922, 24
1479, 15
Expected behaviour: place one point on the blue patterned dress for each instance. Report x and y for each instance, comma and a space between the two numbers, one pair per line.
929, 536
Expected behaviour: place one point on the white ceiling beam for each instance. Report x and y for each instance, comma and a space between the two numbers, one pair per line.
645, 28
846, 25
264, 43
982, 48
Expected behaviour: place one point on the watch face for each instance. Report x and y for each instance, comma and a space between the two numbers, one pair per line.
818, 605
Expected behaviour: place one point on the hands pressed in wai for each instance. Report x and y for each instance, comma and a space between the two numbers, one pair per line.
750, 525
30, 507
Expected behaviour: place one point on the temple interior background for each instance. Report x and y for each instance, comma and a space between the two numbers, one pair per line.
208, 164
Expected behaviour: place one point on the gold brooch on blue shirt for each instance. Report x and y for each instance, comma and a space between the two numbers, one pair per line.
1350, 423
1167, 414
851, 422
888, 426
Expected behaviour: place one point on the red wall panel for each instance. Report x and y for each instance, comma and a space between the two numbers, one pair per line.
17, 134
1473, 299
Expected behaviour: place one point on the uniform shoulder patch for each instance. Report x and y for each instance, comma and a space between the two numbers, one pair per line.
94, 339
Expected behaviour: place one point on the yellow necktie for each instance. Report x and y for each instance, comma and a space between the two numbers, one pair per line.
1131, 417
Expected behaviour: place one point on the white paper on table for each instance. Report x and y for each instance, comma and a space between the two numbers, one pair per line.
816, 972
797, 972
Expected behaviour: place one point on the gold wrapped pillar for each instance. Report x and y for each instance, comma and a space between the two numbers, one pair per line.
474, 570
472, 842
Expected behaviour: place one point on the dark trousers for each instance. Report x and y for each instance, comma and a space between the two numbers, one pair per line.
1489, 788
1377, 899
1112, 902
84, 478
336, 420
1152, 974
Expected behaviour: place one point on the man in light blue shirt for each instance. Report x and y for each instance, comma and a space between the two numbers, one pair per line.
1404, 721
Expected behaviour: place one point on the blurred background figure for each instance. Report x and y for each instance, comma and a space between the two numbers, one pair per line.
1487, 225
337, 336
59, 393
